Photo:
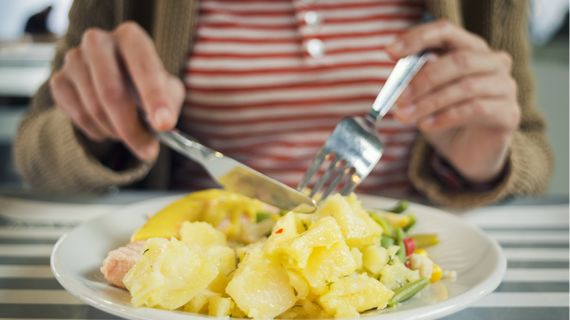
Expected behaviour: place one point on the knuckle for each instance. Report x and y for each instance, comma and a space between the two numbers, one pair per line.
461, 60
72, 57
512, 85
56, 80
128, 30
516, 118
506, 58
93, 37
444, 25
112, 94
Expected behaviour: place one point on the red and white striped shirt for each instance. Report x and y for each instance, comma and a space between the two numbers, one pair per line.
268, 80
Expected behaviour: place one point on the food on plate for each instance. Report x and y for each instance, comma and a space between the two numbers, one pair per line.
221, 254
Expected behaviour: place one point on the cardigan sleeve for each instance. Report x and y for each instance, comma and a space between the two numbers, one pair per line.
504, 25
48, 152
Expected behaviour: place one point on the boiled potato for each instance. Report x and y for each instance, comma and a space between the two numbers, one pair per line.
260, 286
322, 234
169, 274
201, 234
326, 265
351, 295
374, 258
396, 275
357, 227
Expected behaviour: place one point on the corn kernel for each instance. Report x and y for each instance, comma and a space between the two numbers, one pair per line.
421, 251
436, 273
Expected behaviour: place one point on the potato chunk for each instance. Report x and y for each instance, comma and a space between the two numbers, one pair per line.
357, 227
260, 287
327, 265
353, 294
169, 274
201, 234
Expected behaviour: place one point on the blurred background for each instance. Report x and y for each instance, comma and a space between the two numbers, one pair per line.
29, 30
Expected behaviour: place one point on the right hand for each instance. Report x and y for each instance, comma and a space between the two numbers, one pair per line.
93, 88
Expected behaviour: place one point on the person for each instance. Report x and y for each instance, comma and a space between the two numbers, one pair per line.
266, 81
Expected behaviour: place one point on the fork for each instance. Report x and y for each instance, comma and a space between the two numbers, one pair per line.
354, 148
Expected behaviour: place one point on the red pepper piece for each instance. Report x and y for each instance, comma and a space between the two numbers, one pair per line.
279, 231
409, 245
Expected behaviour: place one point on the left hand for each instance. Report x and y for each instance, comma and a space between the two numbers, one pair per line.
464, 101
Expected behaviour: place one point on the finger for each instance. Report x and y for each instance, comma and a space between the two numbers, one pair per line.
76, 70
440, 34
467, 88
451, 67
177, 93
68, 100
498, 113
113, 93
147, 73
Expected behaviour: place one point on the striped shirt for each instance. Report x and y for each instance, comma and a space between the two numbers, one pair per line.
268, 80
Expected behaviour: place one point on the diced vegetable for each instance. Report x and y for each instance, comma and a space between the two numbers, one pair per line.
261, 216
436, 273
400, 243
386, 241
386, 227
407, 291
425, 240
409, 245
400, 207
411, 224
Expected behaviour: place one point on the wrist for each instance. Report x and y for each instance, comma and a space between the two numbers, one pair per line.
453, 179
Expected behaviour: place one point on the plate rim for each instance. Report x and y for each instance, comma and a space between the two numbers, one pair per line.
484, 287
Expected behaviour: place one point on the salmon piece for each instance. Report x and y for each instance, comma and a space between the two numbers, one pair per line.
119, 261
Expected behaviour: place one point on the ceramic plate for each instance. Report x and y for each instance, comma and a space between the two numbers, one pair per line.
478, 260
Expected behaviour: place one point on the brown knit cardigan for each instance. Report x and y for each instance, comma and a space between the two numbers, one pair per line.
51, 155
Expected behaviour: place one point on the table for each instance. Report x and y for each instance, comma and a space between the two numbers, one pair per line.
533, 233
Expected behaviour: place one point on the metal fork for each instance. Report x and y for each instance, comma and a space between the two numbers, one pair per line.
354, 148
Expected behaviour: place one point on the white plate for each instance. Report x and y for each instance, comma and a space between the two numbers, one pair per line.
478, 260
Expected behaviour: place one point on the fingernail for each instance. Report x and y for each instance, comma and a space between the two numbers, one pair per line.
162, 117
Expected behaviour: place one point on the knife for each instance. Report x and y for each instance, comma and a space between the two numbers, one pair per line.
237, 177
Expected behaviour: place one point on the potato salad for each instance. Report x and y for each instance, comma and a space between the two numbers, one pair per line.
222, 254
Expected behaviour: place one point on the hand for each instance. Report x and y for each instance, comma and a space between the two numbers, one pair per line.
93, 88
464, 101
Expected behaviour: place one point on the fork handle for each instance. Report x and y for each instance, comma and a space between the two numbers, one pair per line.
404, 71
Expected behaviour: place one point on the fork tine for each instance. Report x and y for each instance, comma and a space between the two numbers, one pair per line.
324, 179
341, 174
317, 162
351, 184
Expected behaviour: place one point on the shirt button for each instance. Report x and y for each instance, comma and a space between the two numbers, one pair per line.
315, 48
312, 18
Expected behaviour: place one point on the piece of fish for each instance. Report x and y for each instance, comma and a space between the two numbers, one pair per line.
119, 261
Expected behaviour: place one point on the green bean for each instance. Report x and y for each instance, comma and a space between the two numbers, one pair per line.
400, 242
386, 241
400, 235
386, 227
407, 291
260, 216
400, 207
